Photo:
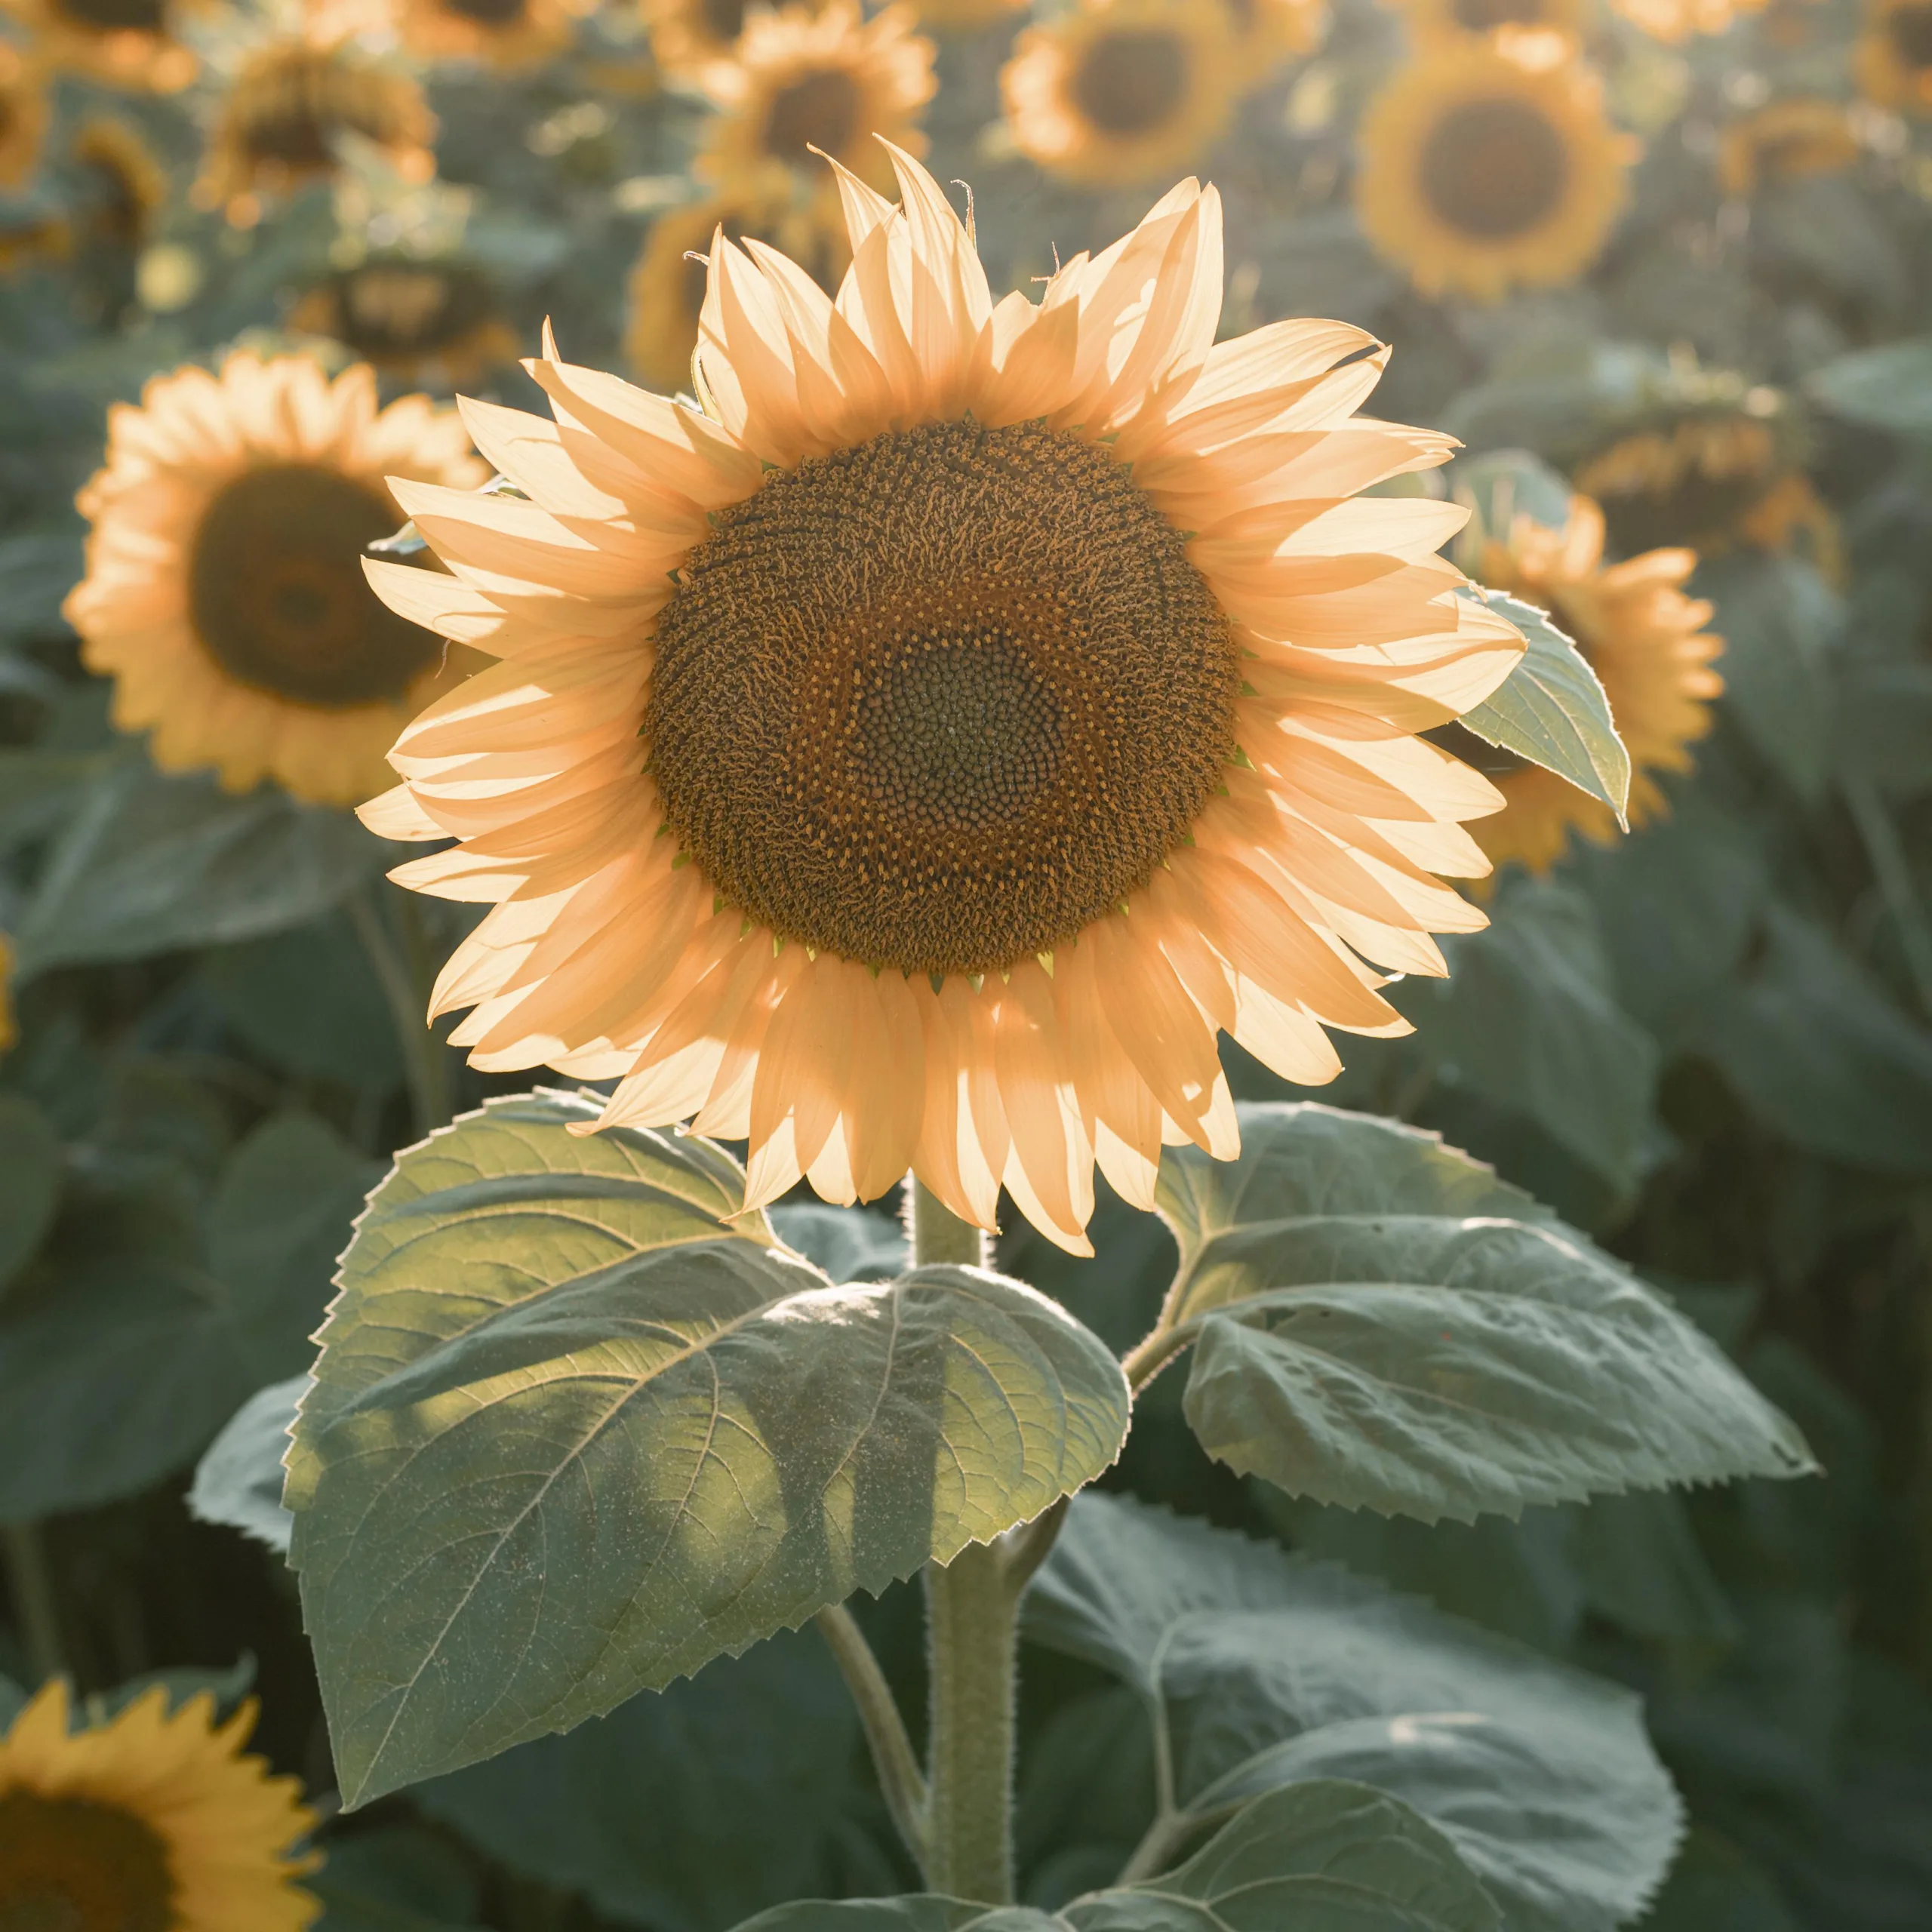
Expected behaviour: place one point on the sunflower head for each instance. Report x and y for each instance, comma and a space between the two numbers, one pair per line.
1461, 20
151, 1821
1489, 163
1893, 59
283, 119
667, 286
802, 84
1024, 695
687, 35
512, 35
22, 116
1785, 141
128, 43
1123, 90
224, 592
130, 185
419, 321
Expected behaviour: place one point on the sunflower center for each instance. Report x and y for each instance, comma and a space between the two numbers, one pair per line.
1130, 83
723, 20
388, 312
1911, 31
488, 12
68, 1865
1493, 169
117, 16
276, 595
940, 701
819, 110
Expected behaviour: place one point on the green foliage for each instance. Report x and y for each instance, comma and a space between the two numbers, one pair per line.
532, 1321
1888, 388
29, 1181
1365, 1335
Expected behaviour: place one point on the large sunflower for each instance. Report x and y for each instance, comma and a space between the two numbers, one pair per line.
802, 83
1124, 90
1894, 56
153, 1822
510, 34
224, 592
1644, 639
913, 759
22, 116
421, 321
1489, 163
123, 43
666, 292
290, 105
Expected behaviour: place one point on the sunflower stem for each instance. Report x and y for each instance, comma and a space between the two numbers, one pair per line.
36, 1602
972, 1624
406, 976
900, 1780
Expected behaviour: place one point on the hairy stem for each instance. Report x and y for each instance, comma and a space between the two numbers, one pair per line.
899, 1777
30, 1584
973, 1631
406, 975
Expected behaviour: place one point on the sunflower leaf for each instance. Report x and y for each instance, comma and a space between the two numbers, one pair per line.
570, 1386
1552, 709
1379, 1322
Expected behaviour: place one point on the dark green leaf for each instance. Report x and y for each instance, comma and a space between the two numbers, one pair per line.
1889, 388
147, 863
850, 1244
237, 1483
556, 1387
1552, 709
39, 787
1715, 1887
29, 1181
402, 1879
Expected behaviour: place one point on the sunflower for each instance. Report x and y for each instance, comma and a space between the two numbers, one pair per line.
687, 35
1675, 21
1894, 56
964, 17
22, 116
1783, 142
290, 104
150, 1822
420, 321
129, 44
1123, 90
667, 285
224, 590
510, 34
1490, 163
1267, 33
804, 83
1644, 639
1460, 19
902, 761
130, 185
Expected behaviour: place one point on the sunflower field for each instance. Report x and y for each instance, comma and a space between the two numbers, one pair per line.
965, 965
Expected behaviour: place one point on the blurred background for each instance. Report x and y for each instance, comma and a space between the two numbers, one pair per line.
1663, 265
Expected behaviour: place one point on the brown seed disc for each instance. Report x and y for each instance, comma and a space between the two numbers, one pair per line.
1494, 169
1129, 84
70, 1864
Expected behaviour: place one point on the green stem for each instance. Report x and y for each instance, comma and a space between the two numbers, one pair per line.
972, 1607
899, 1777
406, 977
30, 1584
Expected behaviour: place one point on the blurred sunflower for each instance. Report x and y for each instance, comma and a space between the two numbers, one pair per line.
510, 34
290, 107
1646, 641
1459, 20
967, 781
1489, 163
22, 116
436, 322
1674, 21
1120, 91
686, 35
1783, 141
224, 592
129, 44
1893, 59
131, 186
963, 17
802, 83
666, 292
150, 1821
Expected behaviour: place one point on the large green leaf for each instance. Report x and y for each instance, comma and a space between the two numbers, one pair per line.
1261, 1670
1889, 388
1372, 1326
1327, 1856
29, 1181
1552, 709
560, 1398
687, 1811
146, 863
119, 1361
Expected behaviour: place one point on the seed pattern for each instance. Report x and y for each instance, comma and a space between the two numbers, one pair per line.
938, 702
